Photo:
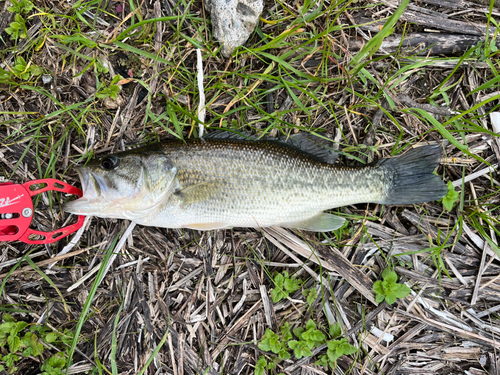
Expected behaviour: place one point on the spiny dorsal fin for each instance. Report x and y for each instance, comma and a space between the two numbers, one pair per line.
308, 143
227, 134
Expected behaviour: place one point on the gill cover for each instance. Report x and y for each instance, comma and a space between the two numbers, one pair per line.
153, 189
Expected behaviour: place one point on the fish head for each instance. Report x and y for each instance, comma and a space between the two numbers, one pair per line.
127, 185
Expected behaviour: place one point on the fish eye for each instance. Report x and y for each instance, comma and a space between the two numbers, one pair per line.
109, 162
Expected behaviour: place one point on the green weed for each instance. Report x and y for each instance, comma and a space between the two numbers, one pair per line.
311, 295
276, 343
110, 91
22, 339
485, 50
388, 289
17, 29
21, 7
283, 286
21, 70
306, 340
451, 197
336, 349
261, 365
54, 365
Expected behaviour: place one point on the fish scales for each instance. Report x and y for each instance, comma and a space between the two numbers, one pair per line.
220, 183
261, 184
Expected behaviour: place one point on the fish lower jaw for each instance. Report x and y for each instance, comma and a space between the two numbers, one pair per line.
84, 206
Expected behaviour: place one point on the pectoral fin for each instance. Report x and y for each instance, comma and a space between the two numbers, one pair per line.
322, 222
198, 193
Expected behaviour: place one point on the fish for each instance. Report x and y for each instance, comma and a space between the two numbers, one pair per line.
232, 181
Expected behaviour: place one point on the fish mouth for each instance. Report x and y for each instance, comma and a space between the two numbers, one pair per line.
92, 200
83, 179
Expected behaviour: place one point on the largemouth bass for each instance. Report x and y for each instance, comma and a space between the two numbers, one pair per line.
221, 183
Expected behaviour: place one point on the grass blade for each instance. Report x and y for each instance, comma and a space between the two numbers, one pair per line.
88, 302
374, 44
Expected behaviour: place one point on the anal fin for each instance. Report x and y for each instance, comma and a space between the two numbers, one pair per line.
322, 222
207, 226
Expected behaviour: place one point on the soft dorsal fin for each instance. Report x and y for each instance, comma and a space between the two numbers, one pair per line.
312, 145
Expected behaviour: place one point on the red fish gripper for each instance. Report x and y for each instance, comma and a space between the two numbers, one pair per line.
16, 211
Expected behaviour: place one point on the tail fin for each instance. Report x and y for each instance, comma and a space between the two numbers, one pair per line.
412, 177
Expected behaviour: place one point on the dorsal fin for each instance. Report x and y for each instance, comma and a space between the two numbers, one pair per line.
312, 145
229, 134
308, 143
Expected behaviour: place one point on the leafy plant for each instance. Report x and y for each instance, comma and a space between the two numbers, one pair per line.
21, 339
388, 289
100, 67
272, 342
485, 50
5, 76
336, 348
111, 91
311, 295
54, 365
17, 29
450, 198
300, 349
335, 330
286, 332
307, 339
284, 285
21, 7
261, 365
24, 70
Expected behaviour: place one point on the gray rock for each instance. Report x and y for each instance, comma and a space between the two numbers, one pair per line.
233, 21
